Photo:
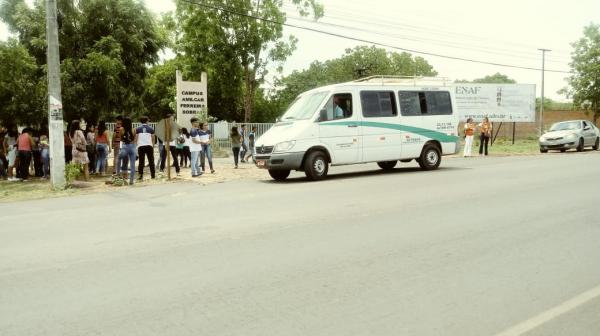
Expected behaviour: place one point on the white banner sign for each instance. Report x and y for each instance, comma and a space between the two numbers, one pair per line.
191, 100
499, 102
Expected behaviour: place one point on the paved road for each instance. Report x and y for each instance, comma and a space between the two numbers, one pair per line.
483, 246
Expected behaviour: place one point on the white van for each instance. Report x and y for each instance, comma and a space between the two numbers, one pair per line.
376, 119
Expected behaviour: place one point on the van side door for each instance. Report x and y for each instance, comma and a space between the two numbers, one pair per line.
339, 129
380, 126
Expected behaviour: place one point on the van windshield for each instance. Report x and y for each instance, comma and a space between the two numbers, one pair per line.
304, 106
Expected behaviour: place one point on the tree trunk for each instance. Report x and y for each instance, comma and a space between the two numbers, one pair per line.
250, 86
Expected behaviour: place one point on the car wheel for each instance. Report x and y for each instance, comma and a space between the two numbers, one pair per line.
596, 144
580, 145
316, 166
430, 158
543, 150
563, 150
279, 175
387, 165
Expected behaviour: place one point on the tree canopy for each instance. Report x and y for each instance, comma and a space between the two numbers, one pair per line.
496, 78
234, 41
584, 84
105, 47
362, 61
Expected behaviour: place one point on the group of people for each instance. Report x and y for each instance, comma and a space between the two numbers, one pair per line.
242, 144
18, 150
131, 144
485, 133
90, 147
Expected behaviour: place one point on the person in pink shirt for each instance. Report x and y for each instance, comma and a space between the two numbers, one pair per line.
24, 146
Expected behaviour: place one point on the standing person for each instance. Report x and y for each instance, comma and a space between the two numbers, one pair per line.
116, 143
45, 153
244, 144
127, 137
205, 138
251, 141
10, 148
68, 144
3, 161
186, 155
36, 154
469, 133
195, 148
145, 145
90, 138
174, 154
236, 143
102, 148
179, 147
79, 151
25, 146
484, 138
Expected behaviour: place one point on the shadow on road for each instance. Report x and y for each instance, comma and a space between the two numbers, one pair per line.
364, 174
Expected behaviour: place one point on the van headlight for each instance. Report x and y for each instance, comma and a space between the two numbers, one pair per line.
284, 146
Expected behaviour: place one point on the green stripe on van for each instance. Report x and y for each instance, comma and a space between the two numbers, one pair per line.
442, 137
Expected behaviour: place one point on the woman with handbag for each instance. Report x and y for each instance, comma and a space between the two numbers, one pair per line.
484, 137
79, 147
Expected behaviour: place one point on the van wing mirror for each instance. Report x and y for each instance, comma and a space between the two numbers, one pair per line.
323, 115
586, 128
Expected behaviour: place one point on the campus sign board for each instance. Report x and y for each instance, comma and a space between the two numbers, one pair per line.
499, 102
191, 100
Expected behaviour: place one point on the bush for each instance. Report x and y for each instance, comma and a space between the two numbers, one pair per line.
72, 171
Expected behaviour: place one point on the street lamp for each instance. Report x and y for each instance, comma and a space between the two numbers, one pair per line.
542, 102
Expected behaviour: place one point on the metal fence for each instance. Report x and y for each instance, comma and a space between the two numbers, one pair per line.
220, 131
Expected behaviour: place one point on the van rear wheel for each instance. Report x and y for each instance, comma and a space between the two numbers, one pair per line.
430, 158
279, 175
316, 166
387, 165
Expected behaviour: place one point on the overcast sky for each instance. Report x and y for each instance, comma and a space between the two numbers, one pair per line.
507, 32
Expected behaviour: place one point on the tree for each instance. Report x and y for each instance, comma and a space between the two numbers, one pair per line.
229, 41
584, 84
496, 78
105, 48
359, 62
22, 96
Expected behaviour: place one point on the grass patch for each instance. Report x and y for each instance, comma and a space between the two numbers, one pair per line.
505, 146
30, 190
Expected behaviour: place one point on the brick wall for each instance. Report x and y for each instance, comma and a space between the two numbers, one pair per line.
524, 130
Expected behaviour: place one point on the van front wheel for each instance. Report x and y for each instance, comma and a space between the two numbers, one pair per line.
316, 166
430, 158
279, 175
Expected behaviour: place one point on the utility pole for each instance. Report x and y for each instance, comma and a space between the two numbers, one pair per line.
542, 102
55, 115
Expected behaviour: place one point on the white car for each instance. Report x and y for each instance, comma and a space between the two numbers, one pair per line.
570, 134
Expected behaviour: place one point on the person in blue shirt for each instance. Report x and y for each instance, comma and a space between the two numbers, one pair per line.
206, 154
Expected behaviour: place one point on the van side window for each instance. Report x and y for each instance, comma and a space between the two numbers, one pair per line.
378, 104
339, 106
438, 102
416, 103
410, 103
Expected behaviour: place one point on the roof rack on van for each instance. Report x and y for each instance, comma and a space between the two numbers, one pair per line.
383, 79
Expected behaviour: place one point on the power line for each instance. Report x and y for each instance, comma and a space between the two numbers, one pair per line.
364, 40
381, 22
430, 41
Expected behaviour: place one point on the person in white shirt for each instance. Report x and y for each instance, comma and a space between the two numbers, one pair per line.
195, 148
145, 145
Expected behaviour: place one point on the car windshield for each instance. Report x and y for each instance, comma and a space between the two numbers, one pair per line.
566, 126
304, 106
